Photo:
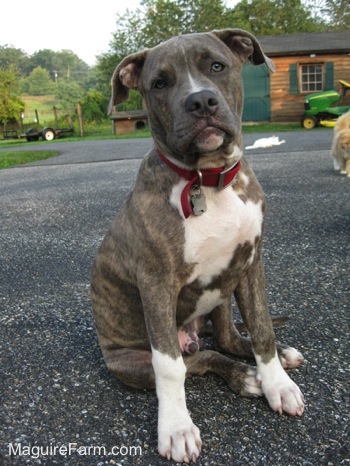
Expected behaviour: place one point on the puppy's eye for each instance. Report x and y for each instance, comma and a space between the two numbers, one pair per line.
216, 67
159, 84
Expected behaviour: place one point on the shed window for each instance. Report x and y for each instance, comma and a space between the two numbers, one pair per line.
311, 78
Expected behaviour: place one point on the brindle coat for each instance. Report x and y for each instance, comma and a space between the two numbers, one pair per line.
141, 292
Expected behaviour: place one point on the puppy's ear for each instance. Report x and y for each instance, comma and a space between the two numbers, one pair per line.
245, 45
126, 76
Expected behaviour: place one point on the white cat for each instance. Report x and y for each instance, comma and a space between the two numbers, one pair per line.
266, 142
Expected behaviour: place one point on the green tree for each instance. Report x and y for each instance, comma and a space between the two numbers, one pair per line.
158, 20
167, 18
264, 17
44, 58
125, 41
64, 64
15, 58
70, 66
69, 93
339, 14
154, 22
10, 104
39, 82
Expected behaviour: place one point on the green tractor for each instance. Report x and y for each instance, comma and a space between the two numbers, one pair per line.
319, 110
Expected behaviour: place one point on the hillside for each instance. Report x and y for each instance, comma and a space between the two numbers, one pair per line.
43, 104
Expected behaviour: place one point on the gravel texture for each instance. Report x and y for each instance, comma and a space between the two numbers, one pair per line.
55, 390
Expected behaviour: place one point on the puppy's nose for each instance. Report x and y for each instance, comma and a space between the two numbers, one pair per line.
202, 103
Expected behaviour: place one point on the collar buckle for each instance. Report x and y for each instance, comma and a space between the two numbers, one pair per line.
221, 182
200, 178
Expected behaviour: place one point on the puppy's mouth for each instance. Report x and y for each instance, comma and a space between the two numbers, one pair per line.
209, 140
213, 147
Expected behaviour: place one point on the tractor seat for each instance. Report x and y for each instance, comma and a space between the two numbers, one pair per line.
344, 84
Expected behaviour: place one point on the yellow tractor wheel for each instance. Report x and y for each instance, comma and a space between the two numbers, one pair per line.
309, 122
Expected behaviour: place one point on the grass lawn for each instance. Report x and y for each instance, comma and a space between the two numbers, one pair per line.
8, 159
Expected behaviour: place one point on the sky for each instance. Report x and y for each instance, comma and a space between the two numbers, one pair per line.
83, 26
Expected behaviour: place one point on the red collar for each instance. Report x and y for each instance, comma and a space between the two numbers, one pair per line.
214, 177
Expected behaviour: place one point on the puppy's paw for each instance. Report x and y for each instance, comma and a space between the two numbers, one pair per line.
251, 385
179, 440
281, 392
290, 358
284, 396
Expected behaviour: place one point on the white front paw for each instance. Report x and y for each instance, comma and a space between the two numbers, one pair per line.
284, 395
179, 439
281, 392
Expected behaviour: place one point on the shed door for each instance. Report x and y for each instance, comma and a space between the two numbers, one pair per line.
256, 84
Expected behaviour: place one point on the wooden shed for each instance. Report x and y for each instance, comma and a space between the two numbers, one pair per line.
305, 63
127, 122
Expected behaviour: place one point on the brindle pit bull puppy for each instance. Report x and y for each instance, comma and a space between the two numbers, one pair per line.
189, 237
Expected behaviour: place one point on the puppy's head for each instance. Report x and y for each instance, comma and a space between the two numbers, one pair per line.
192, 88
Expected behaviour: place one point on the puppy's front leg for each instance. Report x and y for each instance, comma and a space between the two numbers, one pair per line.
178, 438
281, 392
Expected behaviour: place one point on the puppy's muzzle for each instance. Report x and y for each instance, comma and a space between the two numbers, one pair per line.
202, 104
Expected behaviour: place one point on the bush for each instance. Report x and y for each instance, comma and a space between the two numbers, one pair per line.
94, 106
134, 102
69, 93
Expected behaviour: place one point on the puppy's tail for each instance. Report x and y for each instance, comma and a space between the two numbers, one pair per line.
207, 331
276, 322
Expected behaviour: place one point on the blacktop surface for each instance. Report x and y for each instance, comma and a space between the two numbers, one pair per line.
59, 404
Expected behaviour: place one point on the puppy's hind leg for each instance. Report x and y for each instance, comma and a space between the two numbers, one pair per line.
240, 377
133, 367
229, 340
226, 335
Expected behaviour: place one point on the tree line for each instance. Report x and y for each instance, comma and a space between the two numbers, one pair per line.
62, 74
70, 79
158, 20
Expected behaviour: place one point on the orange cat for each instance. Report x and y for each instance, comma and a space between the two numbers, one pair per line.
341, 145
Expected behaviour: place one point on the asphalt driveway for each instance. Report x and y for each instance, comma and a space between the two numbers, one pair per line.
60, 406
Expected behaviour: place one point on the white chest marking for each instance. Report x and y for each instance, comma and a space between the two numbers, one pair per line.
206, 303
212, 238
